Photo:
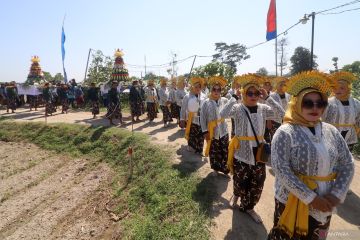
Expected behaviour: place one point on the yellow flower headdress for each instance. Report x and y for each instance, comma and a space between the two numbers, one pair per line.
151, 82
180, 81
277, 80
310, 79
269, 79
348, 77
173, 80
300, 85
163, 81
249, 79
195, 80
217, 80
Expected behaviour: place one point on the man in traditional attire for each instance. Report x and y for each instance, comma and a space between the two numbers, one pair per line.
93, 95
48, 99
114, 105
135, 100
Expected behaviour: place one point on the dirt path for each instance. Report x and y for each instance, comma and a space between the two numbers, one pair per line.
48, 196
227, 224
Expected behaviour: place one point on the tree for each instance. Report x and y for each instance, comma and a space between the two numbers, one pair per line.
149, 76
214, 69
58, 78
335, 60
48, 76
281, 50
231, 55
100, 68
152, 76
262, 71
300, 61
355, 69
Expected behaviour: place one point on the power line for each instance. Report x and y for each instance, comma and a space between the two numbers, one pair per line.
348, 10
165, 65
322, 12
340, 6
282, 33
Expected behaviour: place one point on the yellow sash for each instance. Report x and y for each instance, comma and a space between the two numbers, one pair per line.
188, 125
295, 216
234, 145
357, 129
211, 128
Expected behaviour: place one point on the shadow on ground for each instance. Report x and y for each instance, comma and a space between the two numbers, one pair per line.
189, 162
350, 209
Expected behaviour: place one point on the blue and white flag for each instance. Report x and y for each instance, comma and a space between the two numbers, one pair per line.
63, 38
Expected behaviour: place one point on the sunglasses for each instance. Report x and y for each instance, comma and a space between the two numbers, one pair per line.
216, 89
251, 94
308, 104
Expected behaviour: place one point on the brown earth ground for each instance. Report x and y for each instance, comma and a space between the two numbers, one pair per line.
54, 203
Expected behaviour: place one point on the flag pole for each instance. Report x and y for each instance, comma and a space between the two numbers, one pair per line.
276, 64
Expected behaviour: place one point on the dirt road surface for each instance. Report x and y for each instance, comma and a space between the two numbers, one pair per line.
227, 223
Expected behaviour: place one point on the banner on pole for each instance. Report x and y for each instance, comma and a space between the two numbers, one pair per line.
63, 38
271, 32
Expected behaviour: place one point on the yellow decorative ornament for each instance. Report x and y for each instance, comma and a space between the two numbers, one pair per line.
35, 59
217, 80
309, 79
195, 80
151, 82
173, 81
249, 78
269, 79
348, 77
180, 81
118, 53
277, 80
163, 81
237, 79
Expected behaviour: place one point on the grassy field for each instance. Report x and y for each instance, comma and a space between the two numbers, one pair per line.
162, 202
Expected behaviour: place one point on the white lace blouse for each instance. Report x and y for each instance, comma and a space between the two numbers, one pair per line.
268, 111
210, 111
282, 101
184, 107
337, 113
296, 150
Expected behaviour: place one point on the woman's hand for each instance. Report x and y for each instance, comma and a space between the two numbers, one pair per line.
264, 93
207, 136
182, 123
321, 204
332, 199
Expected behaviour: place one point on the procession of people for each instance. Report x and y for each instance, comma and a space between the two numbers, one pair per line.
303, 127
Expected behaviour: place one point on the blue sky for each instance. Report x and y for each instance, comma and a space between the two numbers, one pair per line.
157, 28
